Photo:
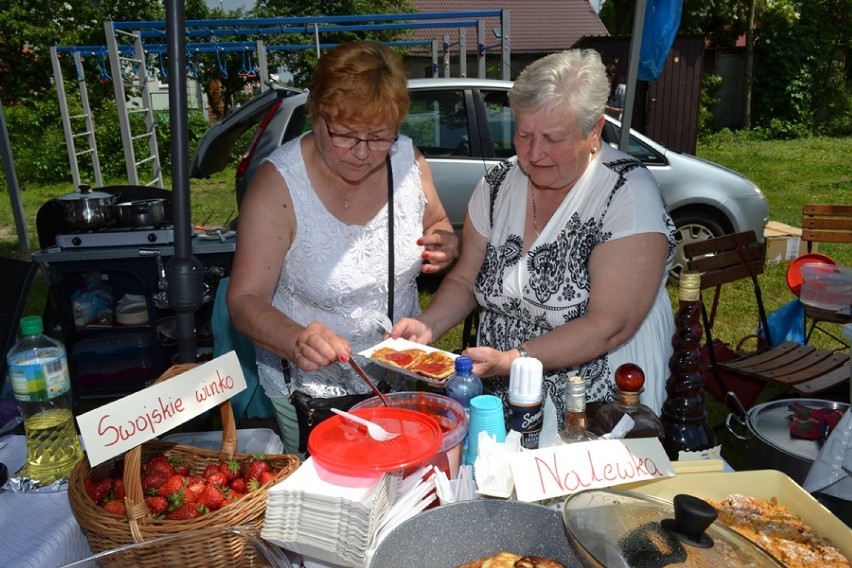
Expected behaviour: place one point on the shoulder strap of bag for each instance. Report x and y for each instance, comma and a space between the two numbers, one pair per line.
390, 238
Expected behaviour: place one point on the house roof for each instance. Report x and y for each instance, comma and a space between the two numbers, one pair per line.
535, 26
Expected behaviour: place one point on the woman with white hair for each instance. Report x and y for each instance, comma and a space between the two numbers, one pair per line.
566, 247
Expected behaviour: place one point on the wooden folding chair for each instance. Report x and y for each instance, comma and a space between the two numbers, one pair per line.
806, 370
825, 224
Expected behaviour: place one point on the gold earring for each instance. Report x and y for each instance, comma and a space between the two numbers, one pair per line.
594, 150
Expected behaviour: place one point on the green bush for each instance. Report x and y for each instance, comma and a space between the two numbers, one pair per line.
39, 150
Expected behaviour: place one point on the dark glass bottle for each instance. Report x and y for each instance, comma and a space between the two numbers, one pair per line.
629, 382
684, 415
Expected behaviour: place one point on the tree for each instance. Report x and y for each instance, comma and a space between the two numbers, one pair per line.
29, 28
301, 63
800, 75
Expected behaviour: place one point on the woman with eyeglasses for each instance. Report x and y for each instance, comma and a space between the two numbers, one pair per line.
313, 237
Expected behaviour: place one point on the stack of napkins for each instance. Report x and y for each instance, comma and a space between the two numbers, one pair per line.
333, 518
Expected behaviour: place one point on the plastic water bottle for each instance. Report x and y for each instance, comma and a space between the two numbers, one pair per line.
462, 387
41, 383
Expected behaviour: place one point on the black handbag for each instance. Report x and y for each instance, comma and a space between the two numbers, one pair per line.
310, 410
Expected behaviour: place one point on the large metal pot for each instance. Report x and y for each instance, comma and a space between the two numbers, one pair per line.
141, 213
768, 440
86, 210
453, 534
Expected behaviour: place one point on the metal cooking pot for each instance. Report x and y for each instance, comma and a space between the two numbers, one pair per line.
768, 440
141, 213
453, 534
86, 210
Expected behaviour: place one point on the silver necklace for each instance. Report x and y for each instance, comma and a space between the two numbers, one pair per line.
535, 216
347, 198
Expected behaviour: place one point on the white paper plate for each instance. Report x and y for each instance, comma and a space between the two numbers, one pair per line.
400, 344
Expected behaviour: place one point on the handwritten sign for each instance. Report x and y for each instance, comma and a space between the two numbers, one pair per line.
561, 470
119, 426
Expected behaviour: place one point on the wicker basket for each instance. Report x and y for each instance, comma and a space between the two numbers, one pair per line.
106, 532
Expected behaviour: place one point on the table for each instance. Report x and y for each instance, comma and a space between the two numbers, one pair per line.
38, 529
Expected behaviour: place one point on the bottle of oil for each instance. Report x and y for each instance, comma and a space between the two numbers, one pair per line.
38, 371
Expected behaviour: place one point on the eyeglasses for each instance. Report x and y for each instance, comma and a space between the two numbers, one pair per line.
349, 142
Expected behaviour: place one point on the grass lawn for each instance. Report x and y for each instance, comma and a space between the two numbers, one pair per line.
790, 173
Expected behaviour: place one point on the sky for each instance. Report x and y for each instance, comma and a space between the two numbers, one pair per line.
230, 5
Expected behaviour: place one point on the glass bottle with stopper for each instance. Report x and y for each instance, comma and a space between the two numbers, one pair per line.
576, 425
629, 384
684, 414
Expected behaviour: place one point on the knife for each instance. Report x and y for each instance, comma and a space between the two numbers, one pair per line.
367, 380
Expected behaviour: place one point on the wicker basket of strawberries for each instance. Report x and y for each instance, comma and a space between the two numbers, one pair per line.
159, 489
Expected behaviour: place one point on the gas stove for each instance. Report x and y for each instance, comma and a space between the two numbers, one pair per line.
118, 236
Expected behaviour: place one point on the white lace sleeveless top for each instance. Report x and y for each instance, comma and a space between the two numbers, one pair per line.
333, 268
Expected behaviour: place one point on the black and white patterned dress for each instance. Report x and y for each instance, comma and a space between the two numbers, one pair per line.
524, 295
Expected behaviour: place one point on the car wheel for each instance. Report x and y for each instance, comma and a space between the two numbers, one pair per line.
690, 227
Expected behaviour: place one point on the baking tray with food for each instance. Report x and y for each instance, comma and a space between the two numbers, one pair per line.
763, 485
415, 360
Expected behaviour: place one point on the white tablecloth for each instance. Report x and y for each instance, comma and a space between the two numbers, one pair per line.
37, 530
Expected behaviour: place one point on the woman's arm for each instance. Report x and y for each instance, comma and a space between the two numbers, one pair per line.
266, 228
625, 276
439, 239
454, 298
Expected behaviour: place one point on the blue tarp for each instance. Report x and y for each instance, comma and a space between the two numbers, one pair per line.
662, 20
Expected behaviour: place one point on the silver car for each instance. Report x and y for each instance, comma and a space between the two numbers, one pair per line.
464, 127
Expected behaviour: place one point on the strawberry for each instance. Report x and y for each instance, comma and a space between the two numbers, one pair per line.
196, 486
97, 488
212, 497
181, 467
248, 463
234, 496
255, 468
210, 470
238, 485
114, 507
160, 462
118, 491
218, 478
230, 468
172, 485
266, 477
152, 482
156, 504
184, 512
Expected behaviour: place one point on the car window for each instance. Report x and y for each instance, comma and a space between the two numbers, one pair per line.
635, 147
501, 122
437, 122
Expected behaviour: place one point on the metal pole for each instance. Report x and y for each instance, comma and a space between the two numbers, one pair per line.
12, 184
632, 73
184, 272
505, 52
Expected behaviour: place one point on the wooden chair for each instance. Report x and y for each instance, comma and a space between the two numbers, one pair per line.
806, 370
825, 224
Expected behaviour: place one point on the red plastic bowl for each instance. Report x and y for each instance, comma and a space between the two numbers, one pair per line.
342, 447
794, 271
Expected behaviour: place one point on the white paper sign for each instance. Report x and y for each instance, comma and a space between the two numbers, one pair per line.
561, 470
119, 426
